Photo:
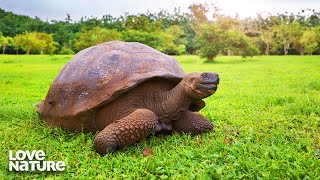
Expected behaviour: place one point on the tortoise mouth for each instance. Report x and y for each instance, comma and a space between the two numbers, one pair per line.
208, 86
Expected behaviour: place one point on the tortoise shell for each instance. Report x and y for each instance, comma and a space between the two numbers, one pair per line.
98, 75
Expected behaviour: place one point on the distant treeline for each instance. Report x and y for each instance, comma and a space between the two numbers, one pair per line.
173, 33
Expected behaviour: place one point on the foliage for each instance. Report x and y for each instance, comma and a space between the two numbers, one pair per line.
246, 47
271, 34
142, 23
181, 49
212, 40
47, 44
65, 33
309, 41
5, 42
267, 36
167, 44
288, 34
35, 42
198, 13
149, 38
95, 36
220, 35
12, 24
66, 50
287, 31
270, 131
178, 34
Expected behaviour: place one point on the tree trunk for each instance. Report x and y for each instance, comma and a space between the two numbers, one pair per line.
286, 50
210, 59
286, 47
4, 49
301, 53
267, 49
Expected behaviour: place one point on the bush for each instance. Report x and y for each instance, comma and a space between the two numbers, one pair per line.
181, 49
169, 48
66, 50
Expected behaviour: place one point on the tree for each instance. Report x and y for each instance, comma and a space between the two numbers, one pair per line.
64, 33
5, 42
35, 42
95, 36
198, 13
212, 40
268, 37
219, 35
287, 34
317, 31
17, 43
45, 43
12, 24
110, 22
246, 47
309, 41
25, 42
142, 22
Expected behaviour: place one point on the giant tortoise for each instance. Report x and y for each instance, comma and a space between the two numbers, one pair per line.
127, 90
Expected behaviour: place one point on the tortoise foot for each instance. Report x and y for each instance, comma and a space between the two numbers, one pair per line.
192, 122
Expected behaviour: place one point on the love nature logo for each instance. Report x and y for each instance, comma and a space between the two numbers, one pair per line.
33, 161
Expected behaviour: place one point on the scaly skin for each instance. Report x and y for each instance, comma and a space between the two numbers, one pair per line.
125, 131
193, 123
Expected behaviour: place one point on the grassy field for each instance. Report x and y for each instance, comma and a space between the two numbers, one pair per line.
266, 112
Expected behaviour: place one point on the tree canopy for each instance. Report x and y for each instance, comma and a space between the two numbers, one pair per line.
204, 31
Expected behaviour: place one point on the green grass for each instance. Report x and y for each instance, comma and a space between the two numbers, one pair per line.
266, 112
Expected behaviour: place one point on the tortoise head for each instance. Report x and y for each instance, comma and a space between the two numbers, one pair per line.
201, 85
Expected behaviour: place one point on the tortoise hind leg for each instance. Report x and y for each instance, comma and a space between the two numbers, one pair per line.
125, 131
192, 122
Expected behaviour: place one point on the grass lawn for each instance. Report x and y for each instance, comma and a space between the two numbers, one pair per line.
266, 112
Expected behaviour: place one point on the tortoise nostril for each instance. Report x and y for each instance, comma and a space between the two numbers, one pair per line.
216, 78
205, 76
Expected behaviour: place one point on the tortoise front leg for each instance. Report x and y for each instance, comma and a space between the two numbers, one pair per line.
197, 105
192, 122
137, 125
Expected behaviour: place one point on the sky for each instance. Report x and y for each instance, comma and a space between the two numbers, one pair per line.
58, 9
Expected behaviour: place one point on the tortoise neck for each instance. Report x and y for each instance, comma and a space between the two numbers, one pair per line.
175, 101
